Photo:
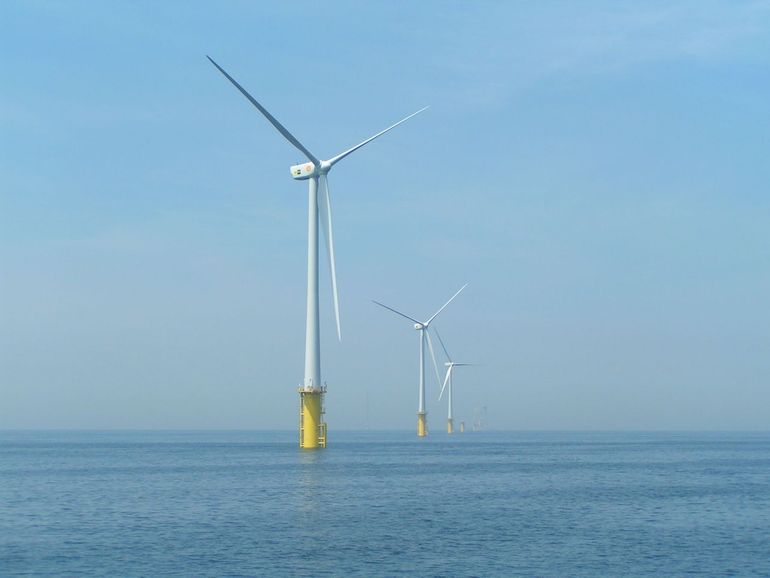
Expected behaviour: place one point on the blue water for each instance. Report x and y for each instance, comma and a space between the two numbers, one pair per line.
384, 504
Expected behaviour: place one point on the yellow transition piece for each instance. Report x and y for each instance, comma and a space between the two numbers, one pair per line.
312, 429
422, 429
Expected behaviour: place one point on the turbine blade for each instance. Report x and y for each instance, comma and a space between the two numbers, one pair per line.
396, 312
446, 380
445, 304
282, 129
432, 355
442, 344
339, 157
326, 224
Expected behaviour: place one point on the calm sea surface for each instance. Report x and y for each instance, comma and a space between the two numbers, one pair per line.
384, 504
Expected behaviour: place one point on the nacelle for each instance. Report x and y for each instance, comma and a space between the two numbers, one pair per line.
303, 172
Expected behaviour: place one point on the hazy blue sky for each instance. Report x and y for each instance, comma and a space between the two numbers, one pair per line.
598, 172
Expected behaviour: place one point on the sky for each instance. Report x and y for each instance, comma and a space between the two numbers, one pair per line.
596, 171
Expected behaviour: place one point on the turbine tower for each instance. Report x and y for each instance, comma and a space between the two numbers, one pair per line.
422, 328
450, 365
312, 430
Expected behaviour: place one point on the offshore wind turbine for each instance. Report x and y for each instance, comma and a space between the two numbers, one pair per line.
422, 329
450, 365
312, 430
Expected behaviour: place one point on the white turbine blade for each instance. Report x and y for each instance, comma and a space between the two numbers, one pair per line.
282, 129
445, 304
442, 344
332, 161
397, 312
446, 380
326, 224
432, 355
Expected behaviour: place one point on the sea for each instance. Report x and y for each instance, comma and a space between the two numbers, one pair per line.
485, 504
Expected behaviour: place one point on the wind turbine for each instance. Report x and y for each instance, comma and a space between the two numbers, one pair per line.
312, 431
450, 365
422, 328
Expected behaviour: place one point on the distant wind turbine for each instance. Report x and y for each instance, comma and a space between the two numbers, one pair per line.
422, 328
450, 365
312, 429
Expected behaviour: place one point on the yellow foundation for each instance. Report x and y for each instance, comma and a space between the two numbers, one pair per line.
312, 429
422, 429
449, 426
462, 427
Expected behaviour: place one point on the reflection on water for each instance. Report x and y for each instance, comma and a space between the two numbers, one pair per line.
309, 480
